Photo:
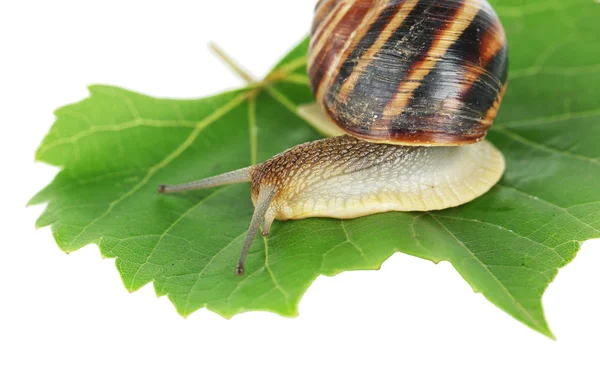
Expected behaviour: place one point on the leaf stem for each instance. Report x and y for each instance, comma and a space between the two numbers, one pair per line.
232, 64
253, 82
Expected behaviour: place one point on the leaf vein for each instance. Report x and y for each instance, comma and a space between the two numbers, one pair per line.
187, 301
173, 225
176, 153
551, 119
286, 297
139, 122
360, 251
517, 137
530, 196
494, 277
551, 249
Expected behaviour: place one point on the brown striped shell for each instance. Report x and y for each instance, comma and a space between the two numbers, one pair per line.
417, 72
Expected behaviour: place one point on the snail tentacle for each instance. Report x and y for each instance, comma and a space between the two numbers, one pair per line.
232, 177
269, 218
266, 195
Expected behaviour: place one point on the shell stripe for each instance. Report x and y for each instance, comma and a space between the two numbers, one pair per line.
366, 34
335, 38
443, 41
492, 42
401, 13
493, 53
323, 52
379, 81
442, 91
493, 110
477, 95
333, 18
322, 11
456, 71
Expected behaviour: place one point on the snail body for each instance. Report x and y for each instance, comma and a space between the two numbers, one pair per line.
345, 177
408, 90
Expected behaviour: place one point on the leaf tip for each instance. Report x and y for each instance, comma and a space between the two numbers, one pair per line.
546, 331
294, 313
95, 88
184, 312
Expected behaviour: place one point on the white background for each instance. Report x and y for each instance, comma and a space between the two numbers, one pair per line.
73, 309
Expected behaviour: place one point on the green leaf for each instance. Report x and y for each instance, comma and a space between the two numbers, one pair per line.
116, 146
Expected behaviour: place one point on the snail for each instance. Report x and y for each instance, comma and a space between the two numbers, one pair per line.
406, 90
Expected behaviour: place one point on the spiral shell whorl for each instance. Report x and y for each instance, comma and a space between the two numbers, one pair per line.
419, 72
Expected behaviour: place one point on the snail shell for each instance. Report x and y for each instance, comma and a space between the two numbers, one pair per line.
414, 72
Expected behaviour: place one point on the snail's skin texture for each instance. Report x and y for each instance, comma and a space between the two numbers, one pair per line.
345, 177
411, 72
